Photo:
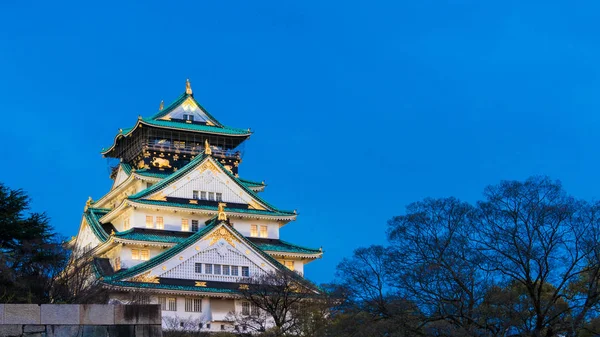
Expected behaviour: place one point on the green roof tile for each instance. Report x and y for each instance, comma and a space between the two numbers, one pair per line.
212, 208
276, 245
153, 235
92, 216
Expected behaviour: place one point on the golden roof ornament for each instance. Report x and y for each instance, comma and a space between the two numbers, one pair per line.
207, 149
188, 87
222, 215
88, 203
161, 106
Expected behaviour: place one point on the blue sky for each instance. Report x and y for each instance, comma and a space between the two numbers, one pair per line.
358, 107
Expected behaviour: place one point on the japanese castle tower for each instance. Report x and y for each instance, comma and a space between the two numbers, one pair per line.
180, 227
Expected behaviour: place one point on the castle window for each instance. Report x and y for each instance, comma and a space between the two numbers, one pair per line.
253, 230
160, 223
222, 326
225, 270
254, 308
141, 299
194, 225
168, 303
219, 196
245, 308
193, 305
245, 271
144, 255
185, 226
217, 269
126, 224
208, 326
172, 304
263, 231
135, 254
198, 268
202, 195
234, 270
211, 196
194, 194
149, 221
208, 268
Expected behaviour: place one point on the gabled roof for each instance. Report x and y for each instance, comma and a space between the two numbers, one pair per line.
213, 126
175, 237
92, 217
181, 100
189, 167
158, 259
213, 224
162, 257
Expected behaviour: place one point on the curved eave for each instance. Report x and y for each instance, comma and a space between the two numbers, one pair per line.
143, 177
143, 243
184, 127
108, 217
256, 188
132, 286
190, 208
296, 255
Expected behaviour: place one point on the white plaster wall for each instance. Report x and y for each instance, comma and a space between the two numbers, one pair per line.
243, 226
86, 237
121, 176
128, 262
171, 220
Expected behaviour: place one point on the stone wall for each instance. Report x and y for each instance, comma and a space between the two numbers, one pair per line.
80, 320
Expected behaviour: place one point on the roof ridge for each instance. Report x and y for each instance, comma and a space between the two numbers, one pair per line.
168, 108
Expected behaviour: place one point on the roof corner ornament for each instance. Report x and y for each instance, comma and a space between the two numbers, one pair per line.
222, 215
188, 87
161, 106
88, 203
207, 149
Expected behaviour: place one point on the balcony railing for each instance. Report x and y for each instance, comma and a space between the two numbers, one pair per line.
193, 150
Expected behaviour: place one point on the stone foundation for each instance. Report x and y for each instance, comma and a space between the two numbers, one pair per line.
80, 320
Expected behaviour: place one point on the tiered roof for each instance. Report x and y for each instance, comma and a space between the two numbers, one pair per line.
184, 103
122, 278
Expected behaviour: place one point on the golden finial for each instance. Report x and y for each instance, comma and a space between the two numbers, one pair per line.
188, 87
222, 216
161, 106
207, 149
88, 203
112, 232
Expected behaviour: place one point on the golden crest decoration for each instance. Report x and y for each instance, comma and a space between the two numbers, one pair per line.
224, 234
145, 278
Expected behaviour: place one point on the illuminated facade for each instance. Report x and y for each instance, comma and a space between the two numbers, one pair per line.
179, 226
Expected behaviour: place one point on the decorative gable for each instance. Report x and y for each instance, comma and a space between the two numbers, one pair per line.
120, 177
208, 178
218, 247
187, 108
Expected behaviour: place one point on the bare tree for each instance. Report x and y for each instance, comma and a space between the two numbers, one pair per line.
279, 297
78, 281
436, 265
532, 234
